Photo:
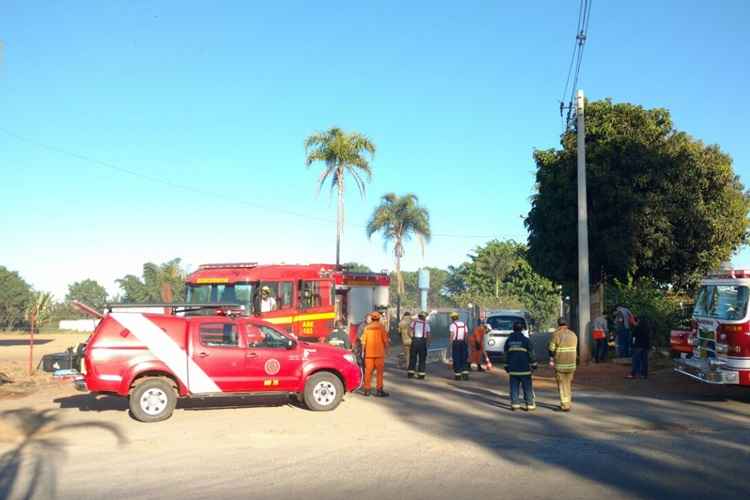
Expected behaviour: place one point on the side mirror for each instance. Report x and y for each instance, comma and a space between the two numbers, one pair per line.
291, 344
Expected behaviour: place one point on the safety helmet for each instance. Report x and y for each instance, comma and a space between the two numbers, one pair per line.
265, 289
375, 316
454, 315
422, 314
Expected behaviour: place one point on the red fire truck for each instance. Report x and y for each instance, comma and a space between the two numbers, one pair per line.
303, 299
721, 333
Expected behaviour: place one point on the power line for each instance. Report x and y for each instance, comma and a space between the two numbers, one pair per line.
196, 190
584, 17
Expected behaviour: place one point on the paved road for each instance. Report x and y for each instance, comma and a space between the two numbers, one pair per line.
436, 439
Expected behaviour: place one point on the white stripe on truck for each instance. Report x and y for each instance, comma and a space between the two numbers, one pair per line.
166, 350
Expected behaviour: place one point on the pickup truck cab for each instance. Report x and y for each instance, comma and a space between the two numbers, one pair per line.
153, 359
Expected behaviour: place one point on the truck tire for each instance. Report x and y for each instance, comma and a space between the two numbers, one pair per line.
152, 400
323, 392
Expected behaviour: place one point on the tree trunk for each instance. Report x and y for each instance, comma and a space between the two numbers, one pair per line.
497, 287
31, 346
339, 217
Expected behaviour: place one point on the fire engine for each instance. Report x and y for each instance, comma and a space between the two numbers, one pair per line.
302, 299
153, 359
721, 331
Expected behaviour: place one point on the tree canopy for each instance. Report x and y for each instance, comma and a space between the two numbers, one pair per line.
88, 291
15, 294
160, 283
661, 204
399, 218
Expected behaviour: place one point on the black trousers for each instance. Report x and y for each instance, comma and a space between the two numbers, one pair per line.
600, 350
418, 355
460, 356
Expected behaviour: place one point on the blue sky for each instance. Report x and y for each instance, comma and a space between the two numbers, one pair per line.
209, 106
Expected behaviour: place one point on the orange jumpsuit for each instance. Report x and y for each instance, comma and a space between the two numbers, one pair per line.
477, 339
375, 342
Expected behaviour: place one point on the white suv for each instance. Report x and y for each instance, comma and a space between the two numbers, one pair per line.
500, 325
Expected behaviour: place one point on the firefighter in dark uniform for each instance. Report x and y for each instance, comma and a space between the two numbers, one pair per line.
562, 352
519, 363
459, 336
420, 338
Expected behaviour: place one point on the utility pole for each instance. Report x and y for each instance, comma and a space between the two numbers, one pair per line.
584, 303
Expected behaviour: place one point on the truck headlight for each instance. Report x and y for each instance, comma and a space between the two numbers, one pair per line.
721, 348
350, 358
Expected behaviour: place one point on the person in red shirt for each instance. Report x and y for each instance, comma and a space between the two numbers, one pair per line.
375, 344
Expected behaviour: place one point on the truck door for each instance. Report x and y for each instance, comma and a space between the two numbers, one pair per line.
270, 364
217, 351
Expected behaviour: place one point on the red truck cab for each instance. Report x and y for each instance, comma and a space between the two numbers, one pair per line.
153, 359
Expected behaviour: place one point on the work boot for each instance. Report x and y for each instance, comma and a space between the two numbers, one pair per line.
565, 408
421, 376
515, 407
480, 369
365, 392
381, 393
410, 375
530, 407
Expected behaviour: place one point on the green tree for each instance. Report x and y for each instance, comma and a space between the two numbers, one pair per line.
15, 294
341, 153
399, 218
661, 204
38, 309
88, 291
356, 267
160, 283
496, 260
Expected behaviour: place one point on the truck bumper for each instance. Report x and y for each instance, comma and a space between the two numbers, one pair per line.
711, 371
80, 384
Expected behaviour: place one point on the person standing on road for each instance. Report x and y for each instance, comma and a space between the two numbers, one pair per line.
477, 346
420, 338
375, 343
641, 348
625, 320
404, 329
459, 335
519, 363
562, 353
600, 333
339, 337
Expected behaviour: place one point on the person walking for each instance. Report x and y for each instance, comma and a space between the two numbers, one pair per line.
375, 343
519, 363
420, 338
459, 334
600, 333
562, 352
641, 348
477, 346
404, 329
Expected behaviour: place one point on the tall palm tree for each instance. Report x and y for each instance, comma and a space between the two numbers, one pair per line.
400, 218
341, 153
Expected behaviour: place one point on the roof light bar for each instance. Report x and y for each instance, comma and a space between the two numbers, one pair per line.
234, 265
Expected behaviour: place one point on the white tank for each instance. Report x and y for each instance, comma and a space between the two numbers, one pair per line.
359, 303
380, 297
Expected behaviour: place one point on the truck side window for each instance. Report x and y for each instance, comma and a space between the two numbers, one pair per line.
310, 294
265, 337
218, 335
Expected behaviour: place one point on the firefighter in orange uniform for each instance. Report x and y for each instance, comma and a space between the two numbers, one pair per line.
476, 344
375, 343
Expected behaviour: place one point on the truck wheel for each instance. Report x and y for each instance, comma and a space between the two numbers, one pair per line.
152, 400
323, 392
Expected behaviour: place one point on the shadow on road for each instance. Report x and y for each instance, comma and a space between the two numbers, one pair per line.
29, 469
103, 402
641, 445
16, 342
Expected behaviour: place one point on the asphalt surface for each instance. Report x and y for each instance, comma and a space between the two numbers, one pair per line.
435, 439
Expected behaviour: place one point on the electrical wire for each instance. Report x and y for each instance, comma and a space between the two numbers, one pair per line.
193, 189
584, 17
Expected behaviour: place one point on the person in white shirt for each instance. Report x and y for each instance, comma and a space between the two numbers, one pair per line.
420, 338
267, 301
459, 336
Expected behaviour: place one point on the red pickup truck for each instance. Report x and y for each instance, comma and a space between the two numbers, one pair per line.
153, 359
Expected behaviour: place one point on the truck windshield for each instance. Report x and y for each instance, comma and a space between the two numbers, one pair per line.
504, 322
727, 302
220, 293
